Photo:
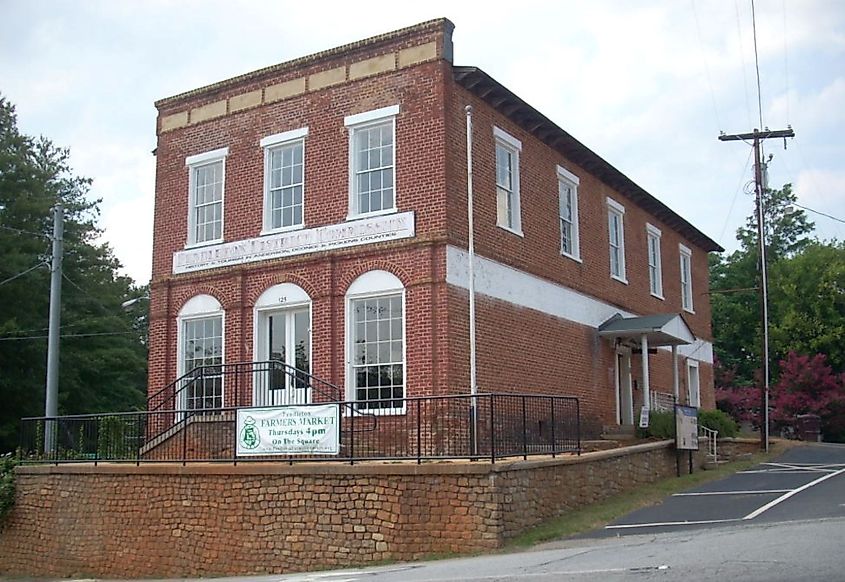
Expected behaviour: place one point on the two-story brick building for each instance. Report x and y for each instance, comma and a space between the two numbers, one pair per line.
315, 212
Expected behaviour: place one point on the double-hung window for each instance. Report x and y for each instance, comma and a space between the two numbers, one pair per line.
372, 161
376, 336
508, 214
686, 278
616, 239
284, 180
567, 185
205, 196
200, 336
655, 267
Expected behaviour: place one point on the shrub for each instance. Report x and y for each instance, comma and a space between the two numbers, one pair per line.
717, 420
660, 425
7, 485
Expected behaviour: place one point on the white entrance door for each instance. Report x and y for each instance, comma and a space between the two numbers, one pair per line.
285, 342
624, 395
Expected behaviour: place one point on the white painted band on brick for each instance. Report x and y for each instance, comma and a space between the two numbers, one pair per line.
207, 156
526, 290
373, 115
276, 138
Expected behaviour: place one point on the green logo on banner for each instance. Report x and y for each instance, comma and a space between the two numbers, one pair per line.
249, 434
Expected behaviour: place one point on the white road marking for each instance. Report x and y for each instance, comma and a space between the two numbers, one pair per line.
756, 492
786, 496
669, 523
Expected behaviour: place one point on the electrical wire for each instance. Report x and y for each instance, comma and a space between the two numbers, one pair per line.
757, 65
65, 335
21, 274
706, 67
742, 61
27, 232
736, 193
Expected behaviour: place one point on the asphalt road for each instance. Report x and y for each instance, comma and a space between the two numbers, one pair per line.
780, 521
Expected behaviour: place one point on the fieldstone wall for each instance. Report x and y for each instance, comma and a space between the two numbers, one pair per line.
166, 520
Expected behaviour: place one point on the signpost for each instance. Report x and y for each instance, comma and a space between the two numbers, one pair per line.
686, 432
288, 430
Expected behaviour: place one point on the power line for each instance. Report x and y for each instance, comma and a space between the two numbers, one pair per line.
818, 212
757, 64
27, 232
21, 274
34, 337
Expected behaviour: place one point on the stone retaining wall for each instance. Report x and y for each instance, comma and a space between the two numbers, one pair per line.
166, 520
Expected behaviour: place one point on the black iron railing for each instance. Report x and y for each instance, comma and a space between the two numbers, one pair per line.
240, 383
483, 427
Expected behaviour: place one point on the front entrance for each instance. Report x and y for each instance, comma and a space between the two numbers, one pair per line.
624, 394
284, 337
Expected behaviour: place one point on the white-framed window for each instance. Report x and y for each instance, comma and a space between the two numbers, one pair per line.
375, 324
284, 180
567, 184
508, 213
693, 383
686, 278
372, 162
206, 178
200, 353
616, 239
655, 264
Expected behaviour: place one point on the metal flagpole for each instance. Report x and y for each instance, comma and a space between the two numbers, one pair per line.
473, 382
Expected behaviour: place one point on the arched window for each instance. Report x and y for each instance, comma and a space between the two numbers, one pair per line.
200, 353
375, 342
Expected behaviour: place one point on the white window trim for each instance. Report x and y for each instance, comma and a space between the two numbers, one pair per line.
371, 284
684, 251
199, 307
361, 121
565, 176
616, 208
269, 143
653, 231
192, 163
693, 365
512, 144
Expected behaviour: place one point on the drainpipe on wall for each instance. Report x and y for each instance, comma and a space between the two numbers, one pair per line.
473, 383
646, 391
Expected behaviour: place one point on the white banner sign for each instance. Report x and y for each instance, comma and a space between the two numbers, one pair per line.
297, 242
289, 430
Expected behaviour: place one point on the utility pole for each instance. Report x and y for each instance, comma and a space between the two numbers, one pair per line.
51, 405
757, 138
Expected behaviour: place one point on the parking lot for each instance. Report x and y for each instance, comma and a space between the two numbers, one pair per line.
806, 482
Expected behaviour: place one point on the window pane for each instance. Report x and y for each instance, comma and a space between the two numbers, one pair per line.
378, 364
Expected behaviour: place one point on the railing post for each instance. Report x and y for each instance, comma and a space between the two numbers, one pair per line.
524, 432
185, 438
492, 429
419, 434
578, 424
352, 435
138, 427
554, 440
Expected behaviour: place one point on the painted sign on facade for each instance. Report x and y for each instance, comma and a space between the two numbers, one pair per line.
686, 428
297, 242
288, 430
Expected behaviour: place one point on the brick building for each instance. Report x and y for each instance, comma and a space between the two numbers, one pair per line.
315, 212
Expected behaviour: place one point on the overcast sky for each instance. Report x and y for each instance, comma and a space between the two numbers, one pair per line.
647, 85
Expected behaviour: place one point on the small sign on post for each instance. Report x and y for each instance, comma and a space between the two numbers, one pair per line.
288, 430
644, 420
686, 428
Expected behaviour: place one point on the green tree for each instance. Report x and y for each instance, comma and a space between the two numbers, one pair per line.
103, 352
734, 281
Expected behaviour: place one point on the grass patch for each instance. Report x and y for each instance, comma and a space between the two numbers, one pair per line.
603, 512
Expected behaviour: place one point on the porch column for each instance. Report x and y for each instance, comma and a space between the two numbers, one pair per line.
675, 385
646, 391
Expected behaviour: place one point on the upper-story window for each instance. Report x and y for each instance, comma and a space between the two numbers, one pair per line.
616, 239
508, 214
372, 161
686, 278
655, 266
284, 179
567, 185
205, 196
